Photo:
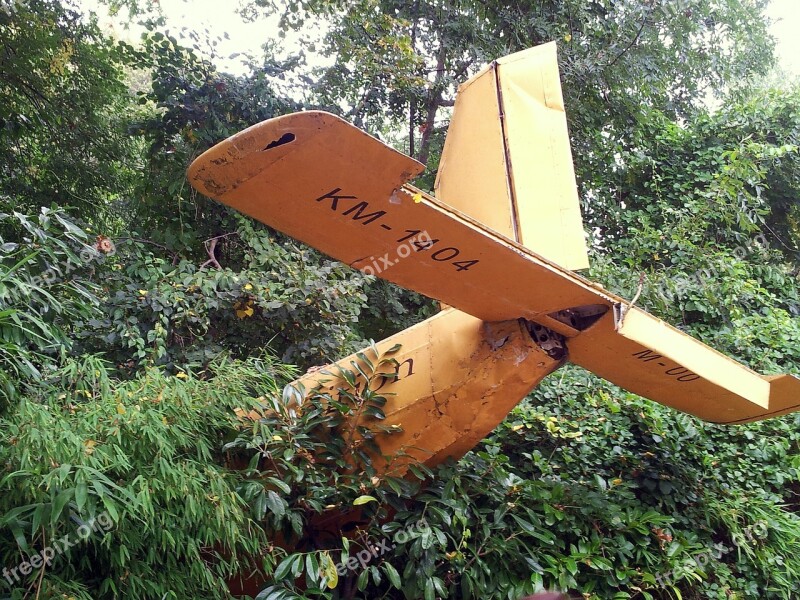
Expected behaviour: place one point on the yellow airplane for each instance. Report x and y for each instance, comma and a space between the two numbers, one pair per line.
498, 243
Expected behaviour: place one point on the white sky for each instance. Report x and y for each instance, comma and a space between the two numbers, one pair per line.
220, 17
786, 29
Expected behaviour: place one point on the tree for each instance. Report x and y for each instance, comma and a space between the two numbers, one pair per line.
135, 387
63, 103
705, 209
401, 61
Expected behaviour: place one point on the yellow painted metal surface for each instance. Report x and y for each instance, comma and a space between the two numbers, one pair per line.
457, 379
784, 398
316, 178
648, 357
342, 191
542, 172
473, 175
507, 160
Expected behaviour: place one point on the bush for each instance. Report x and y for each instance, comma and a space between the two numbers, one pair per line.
144, 458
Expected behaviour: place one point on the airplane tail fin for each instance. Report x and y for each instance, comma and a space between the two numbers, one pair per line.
507, 161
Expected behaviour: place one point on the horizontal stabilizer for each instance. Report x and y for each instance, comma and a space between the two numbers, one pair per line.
646, 356
342, 191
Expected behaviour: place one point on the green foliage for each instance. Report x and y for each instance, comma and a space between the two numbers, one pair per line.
178, 314
189, 107
147, 456
702, 211
322, 454
45, 288
401, 62
721, 179
134, 391
390, 308
589, 490
63, 109
633, 483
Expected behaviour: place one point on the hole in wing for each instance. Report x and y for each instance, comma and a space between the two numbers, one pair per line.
571, 321
286, 138
581, 318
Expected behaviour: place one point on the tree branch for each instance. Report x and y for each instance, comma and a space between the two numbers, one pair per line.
635, 38
211, 246
434, 96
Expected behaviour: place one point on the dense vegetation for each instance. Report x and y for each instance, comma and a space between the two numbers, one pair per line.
146, 332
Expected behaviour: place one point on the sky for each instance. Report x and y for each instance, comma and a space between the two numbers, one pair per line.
220, 17
786, 29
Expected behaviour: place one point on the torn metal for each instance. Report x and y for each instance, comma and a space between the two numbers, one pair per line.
456, 378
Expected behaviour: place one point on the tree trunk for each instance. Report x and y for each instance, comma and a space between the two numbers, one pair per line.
432, 105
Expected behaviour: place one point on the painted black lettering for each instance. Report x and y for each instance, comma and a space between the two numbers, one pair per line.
359, 208
383, 381
410, 362
646, 355
411, 233
463, 265
688, 377
334, 198
397, 376
677, 371
424, 244
445, 254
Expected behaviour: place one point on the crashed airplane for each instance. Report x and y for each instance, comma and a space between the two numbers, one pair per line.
498, 243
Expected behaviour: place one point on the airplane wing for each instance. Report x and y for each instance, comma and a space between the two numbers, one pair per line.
342, 191
647, 356
323, 181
